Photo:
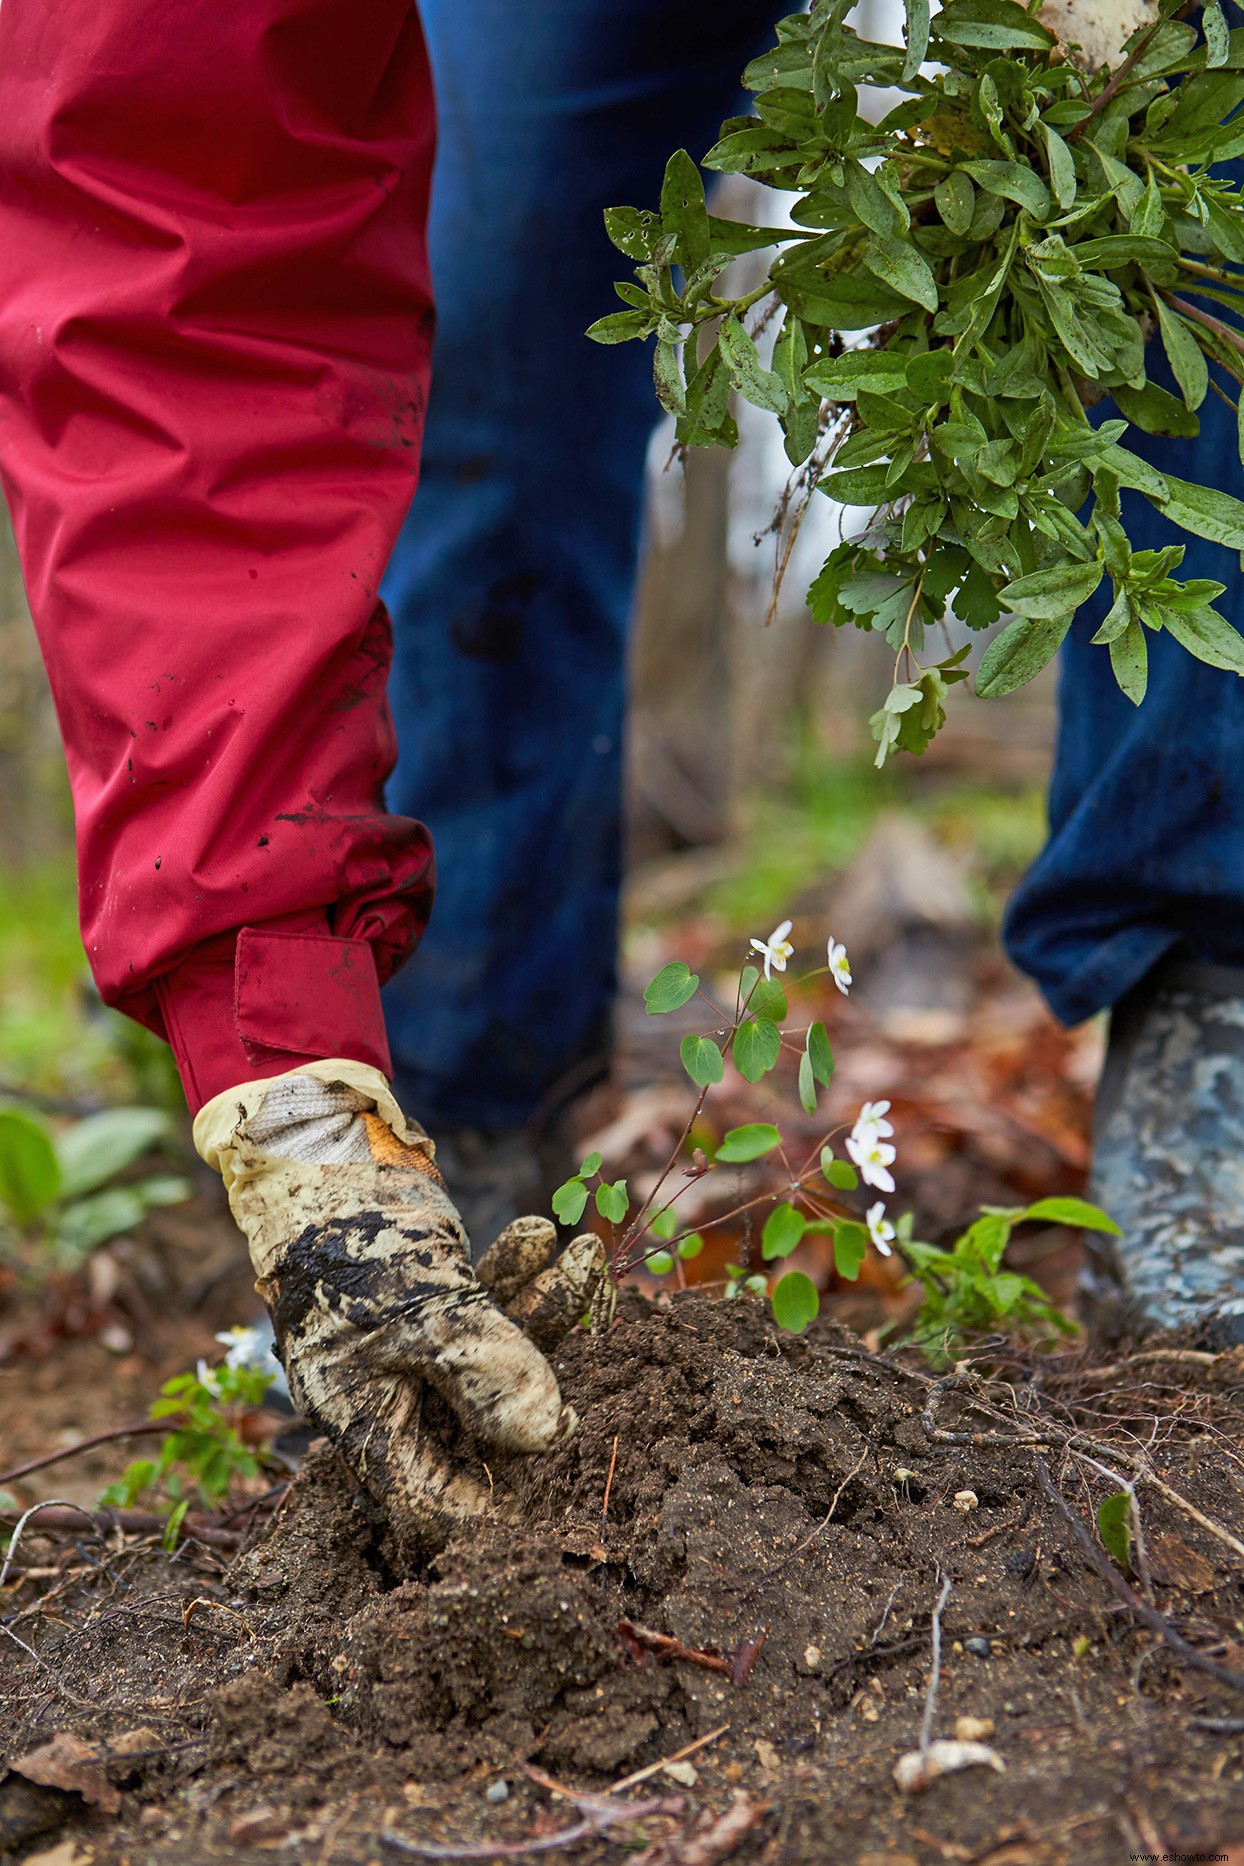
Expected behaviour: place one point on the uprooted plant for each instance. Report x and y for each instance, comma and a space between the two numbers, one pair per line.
966, 1289
962, 281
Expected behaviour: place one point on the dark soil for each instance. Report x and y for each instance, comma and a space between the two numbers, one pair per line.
304, 1700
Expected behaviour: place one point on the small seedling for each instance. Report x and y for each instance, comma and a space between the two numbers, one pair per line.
967, 1292
206, 1450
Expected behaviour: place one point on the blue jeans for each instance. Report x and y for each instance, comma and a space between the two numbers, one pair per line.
511, 585
1146, 843
512, 582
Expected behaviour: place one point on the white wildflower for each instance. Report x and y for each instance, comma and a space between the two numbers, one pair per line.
249, 1347
869, 1149
880, 1230
872, 1115
777, 949
839, 965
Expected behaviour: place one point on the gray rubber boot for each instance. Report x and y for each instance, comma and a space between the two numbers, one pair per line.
1168, 1159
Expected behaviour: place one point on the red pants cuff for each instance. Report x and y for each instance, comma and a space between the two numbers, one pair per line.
261, 1001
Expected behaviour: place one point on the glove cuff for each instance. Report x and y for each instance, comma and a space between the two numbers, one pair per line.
217, 1122
261, 1001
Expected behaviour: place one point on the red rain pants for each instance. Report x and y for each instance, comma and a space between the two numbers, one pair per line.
215, 324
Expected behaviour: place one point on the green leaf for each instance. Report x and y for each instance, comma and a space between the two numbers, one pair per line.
619, 327
660, 1263
569, 1200
673, 985
664, 1224
850, 1249
1018, 654
784, 1228
1114, 1526
1014, 183
634, 231
1062, 167
1204, 633
613, 1202
30, 1174
1156, 411
757, 1046
1217, 38
991, 25
591, 1165
840, 1173
858, 486
955, 200
903, 267
702, 1060
1067, 1211
682, 210
840, 378
748, 1143
759, 385
822, 1057
92, 1220
795, 1302
667, 376
762, 997
1129, 657
691, 1246
1047, 594
1149, 215
1185, 356
807, 1084
1205, 512
917, 38
840, 300
96, 1149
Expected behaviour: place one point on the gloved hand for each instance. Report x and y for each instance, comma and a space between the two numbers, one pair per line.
366, 1270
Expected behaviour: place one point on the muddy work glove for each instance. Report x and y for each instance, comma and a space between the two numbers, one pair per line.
366, 1270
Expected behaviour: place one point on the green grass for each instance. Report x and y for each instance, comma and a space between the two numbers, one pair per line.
56, 1038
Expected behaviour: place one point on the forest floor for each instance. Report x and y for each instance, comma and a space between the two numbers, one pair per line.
766, 1568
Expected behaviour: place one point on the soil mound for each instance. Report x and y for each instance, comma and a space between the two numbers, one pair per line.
742, 1550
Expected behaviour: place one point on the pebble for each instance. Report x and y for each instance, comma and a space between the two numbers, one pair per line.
966, 1500
979, 1648
974, 1729
497, 1791
684, 1773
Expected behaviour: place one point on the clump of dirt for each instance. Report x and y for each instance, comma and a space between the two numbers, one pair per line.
741, 1549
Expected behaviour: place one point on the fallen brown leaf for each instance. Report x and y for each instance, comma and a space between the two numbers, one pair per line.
67, 1762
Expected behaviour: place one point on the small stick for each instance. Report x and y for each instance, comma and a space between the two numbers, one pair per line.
604, 1508
935, 1675
62, 1515
145, 1429
641, 1775
1155, 1621
593, 1822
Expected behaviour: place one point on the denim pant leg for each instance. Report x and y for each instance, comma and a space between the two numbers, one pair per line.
1146, 844
511, 584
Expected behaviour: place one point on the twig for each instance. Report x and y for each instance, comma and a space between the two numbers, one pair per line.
60, 1515
613, 1459
652, 1768
935, 1674
57, 1503
642, 1639
1219, 1726
599, 1816
144, 1429
1155, 1621
1055, 1438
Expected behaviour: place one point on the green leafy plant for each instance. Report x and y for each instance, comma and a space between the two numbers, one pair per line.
55, 1185
206, 1450
967, 1291
962, 281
